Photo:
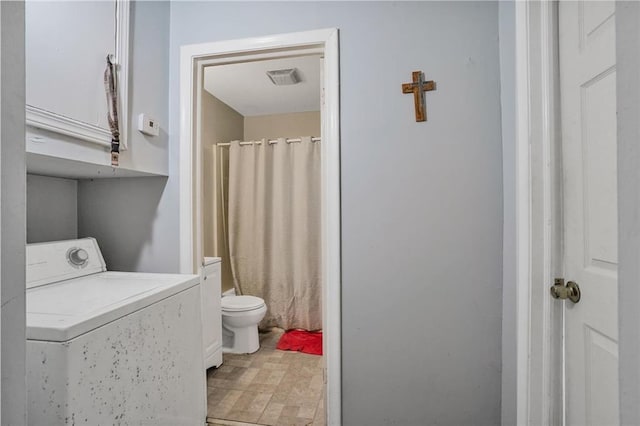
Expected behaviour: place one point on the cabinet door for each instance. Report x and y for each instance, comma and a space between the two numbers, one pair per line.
212, 315
67, 44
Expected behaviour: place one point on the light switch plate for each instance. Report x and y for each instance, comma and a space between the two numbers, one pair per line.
148, 125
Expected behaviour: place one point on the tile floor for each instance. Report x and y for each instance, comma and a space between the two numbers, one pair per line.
269, 387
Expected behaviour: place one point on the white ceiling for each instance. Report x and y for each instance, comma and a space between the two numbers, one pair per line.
246, 88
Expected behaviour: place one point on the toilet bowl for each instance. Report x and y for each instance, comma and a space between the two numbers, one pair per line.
240, 318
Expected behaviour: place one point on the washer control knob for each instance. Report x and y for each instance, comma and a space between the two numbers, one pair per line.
78, 256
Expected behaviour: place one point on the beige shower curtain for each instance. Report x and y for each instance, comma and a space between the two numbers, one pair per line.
274, 229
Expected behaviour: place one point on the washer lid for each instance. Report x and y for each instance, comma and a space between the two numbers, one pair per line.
241, 303
61, 311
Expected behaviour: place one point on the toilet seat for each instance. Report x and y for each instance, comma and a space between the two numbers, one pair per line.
241, 303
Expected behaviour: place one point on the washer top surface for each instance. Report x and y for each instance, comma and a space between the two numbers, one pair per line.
61, 311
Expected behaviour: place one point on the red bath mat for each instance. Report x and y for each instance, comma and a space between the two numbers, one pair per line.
309, 342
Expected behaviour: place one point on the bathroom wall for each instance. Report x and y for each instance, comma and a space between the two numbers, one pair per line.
52, 209
220, 123
433, 355
291, 125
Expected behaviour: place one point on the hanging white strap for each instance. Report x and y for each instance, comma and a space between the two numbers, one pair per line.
111, 90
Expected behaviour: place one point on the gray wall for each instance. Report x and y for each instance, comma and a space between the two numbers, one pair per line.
12, 215
52, 210
133, 233
628, 102
123, 215
421, 202
508, 109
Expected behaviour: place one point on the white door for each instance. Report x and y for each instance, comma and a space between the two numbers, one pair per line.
588, 97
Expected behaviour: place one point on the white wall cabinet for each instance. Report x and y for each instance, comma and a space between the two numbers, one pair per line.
67, 44
66, 48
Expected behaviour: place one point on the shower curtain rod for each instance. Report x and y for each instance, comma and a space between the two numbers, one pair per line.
270, 142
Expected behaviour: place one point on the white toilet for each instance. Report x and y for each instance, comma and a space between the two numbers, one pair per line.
240, 318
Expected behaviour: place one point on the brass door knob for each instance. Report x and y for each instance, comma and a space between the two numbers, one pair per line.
569, 291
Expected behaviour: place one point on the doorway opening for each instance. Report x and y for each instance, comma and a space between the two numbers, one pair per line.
195, 60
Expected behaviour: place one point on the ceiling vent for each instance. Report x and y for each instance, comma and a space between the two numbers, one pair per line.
284, 77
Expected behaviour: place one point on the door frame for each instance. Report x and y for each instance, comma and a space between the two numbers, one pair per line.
193, 58
539, 353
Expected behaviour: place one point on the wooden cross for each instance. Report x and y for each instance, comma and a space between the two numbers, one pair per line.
418, 87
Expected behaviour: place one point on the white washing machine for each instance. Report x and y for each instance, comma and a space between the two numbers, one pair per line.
106, 348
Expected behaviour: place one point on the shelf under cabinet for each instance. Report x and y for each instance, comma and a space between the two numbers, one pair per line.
47, 165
